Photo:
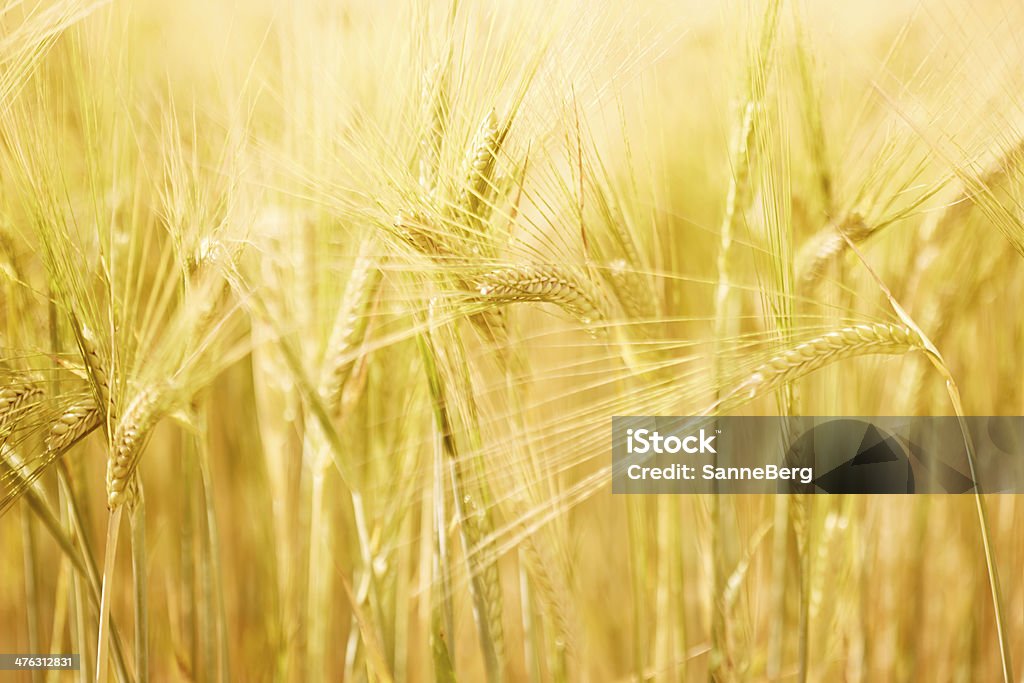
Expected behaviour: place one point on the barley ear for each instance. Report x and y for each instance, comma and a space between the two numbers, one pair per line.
559, 285
96, 367
827, 247
349, 326
814, 354
474, 197
73, 425
13, 398
130, 437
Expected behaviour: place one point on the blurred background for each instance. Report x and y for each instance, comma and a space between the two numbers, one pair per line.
316, 314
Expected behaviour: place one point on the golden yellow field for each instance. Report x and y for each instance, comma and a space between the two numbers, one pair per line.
315, 316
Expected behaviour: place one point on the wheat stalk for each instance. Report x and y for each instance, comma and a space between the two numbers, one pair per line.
337, 367
475, 525
737, 201
471, 496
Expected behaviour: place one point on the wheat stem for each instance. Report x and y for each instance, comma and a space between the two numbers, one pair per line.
103, 637
137, 524
474, 519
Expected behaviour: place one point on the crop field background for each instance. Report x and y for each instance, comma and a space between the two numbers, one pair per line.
314, 316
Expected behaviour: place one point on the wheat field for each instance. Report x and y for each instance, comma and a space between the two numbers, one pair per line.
315, 316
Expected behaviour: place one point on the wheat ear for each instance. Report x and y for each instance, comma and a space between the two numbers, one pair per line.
129, 438
96, 367
828, 246
435, 96
14, 397
632, 289
547, 284
479, 167
76, 422
349, 326
812, 355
